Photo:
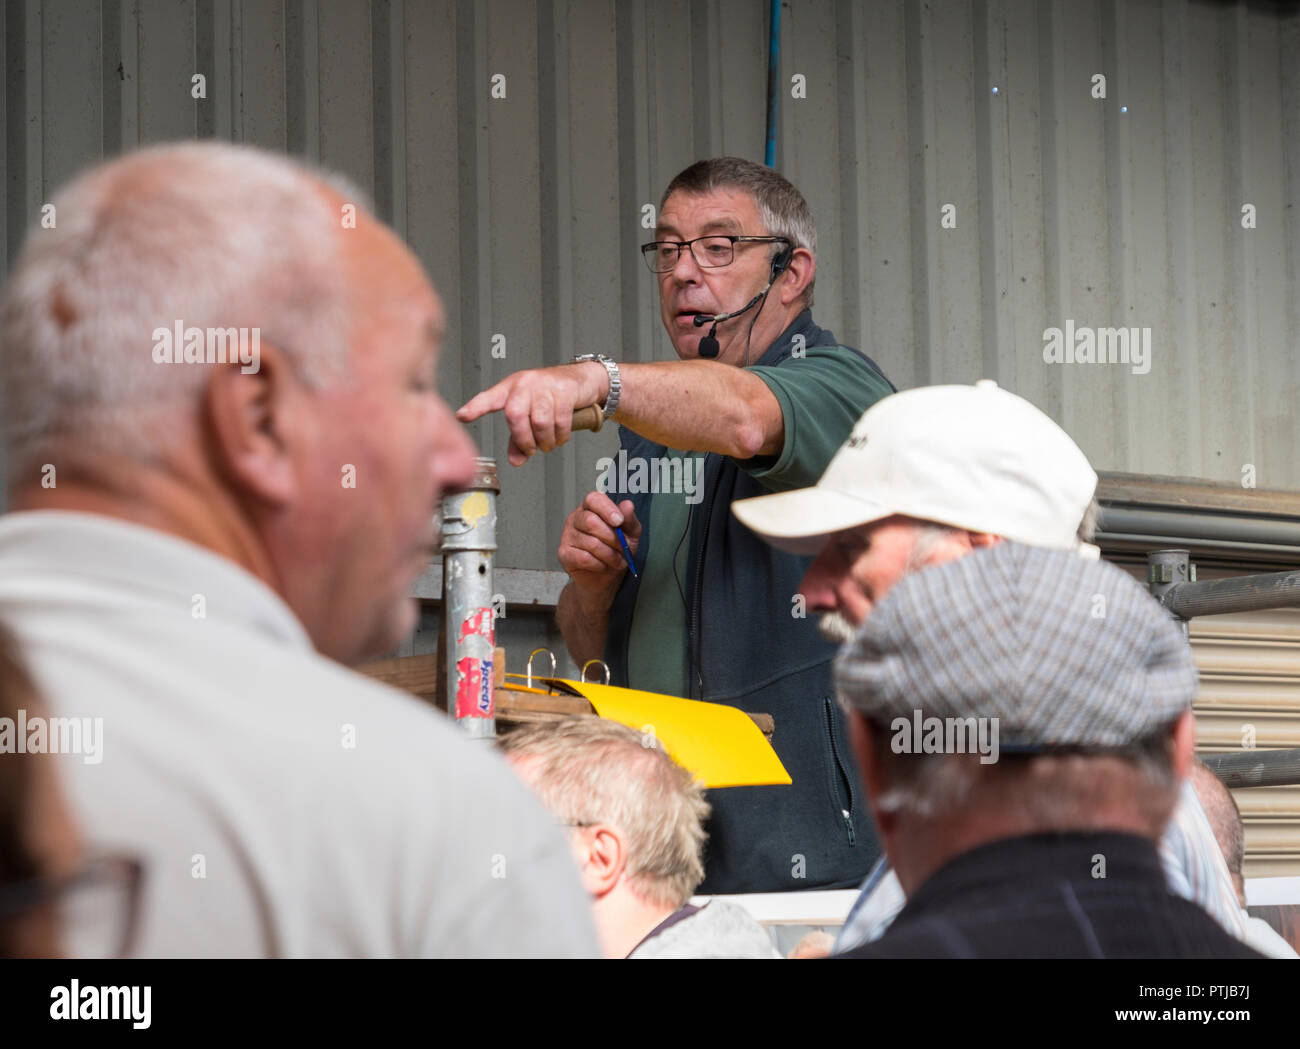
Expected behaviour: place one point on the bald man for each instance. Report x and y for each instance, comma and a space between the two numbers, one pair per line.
1224, 816
204, 536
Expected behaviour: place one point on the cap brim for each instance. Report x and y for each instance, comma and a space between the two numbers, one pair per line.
799, 522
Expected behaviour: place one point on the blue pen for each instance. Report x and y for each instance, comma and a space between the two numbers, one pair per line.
627, 552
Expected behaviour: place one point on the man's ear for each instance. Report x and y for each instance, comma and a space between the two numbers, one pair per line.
1184, 743
979, 539
606, 859
250, 424
794, 281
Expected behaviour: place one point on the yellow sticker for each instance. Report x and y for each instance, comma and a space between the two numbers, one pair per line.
474, 508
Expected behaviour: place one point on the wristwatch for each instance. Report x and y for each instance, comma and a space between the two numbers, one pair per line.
615, 381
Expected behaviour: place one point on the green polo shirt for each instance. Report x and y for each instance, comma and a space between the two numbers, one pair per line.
821, 395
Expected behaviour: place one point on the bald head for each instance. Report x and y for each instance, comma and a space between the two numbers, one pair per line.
320, 469
211, 235
1225, 819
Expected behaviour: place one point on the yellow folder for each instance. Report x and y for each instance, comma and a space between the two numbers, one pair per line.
721, 745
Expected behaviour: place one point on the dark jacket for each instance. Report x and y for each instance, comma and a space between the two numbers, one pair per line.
745, 649
1047, 896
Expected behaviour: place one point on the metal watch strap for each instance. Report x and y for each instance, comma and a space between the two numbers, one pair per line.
615, 380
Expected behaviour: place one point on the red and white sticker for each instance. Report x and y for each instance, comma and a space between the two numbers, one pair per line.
474, 688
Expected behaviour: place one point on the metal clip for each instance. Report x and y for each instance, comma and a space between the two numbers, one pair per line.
587, 664
529, 679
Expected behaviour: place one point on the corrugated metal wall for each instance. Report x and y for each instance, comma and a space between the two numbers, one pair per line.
1250, 678
527, 209
1117, 211
1250, 681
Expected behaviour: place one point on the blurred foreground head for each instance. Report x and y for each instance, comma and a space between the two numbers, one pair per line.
1016, 691
216, 342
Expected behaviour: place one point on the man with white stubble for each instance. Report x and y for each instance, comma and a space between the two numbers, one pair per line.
928, 476
186, 558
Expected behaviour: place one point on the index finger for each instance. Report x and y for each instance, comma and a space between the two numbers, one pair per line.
493, 399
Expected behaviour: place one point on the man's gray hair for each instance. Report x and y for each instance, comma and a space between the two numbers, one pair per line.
926, 537
209, 234
929, 535
590, 770
782, 208
1088, 526
1059, 790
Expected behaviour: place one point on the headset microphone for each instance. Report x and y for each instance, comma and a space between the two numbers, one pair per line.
709, 344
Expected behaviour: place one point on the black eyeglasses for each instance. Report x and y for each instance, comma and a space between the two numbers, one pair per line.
715, 250
93, 913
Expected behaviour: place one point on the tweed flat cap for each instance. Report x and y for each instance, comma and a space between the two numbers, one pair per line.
1063, 652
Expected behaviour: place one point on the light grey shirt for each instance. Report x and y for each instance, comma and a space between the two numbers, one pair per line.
717, 930
283, 805
1265, 939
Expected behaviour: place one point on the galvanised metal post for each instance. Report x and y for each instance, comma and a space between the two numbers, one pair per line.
1172, 579
469, 523
1167, 569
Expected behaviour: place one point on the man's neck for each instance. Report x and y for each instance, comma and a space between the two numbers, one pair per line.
161, 500
624, 919
764, 336
916, 854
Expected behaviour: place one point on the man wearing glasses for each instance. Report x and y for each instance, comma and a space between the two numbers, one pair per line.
56, 898
759, 401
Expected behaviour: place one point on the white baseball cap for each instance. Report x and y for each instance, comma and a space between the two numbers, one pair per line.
973, 457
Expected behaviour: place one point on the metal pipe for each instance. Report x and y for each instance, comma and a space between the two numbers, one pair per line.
1247, 593
1259, 550
773, 79
469, 521
1256, 768
1194, 527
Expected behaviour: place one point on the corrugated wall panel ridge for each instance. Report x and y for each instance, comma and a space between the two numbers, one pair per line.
1002, 189
976, 181
1250, 687
982, 174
